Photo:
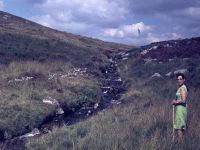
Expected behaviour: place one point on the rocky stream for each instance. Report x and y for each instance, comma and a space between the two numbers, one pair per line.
111, 91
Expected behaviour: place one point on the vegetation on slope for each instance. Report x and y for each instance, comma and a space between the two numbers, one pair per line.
143, 122
37, 63
145, 119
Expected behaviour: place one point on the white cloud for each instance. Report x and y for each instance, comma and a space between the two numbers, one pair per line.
112, 20
87, 17
1, 4
92, 11
162, 37
193, 12
64, 25
133, 30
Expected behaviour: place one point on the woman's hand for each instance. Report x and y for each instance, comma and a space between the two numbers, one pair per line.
173, 102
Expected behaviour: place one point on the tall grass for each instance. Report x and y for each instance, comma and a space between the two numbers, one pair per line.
128, 127
143, 122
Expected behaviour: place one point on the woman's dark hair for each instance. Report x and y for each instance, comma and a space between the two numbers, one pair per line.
180, 74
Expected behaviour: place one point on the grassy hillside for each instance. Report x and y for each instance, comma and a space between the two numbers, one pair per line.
144, 121
39, 63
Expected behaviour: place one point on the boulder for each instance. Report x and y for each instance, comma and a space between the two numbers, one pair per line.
184, 71
156, 75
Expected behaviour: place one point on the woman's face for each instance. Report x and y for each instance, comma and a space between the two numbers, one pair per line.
180, 80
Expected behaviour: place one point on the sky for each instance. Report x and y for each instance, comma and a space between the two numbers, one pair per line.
132, 22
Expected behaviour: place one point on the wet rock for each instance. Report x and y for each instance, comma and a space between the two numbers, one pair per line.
34, 132
59, 111
96, 105
89, 112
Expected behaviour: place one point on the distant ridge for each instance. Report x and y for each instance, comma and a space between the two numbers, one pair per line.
165, 50
10, 24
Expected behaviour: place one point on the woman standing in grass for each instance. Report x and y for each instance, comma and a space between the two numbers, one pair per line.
180, 107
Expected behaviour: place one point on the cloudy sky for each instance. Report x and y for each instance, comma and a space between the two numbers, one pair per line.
134, 22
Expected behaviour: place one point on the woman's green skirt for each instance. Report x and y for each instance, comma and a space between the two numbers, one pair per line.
180, 117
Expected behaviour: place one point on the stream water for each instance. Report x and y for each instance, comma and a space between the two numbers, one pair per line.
112, 88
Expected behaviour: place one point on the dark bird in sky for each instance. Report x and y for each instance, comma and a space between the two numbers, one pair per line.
138, 31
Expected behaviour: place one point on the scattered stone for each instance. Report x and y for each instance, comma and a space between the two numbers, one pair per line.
105, 92
96, 105
115, 102
169, 74
89, 112
31, 134
156, 75
144, 52
167, 45
106, 88
125, 58
51, 101
148, 60
51, 76
111, 60
5, 17
59, 111
119, 79
184, 71
23, 79
75, 72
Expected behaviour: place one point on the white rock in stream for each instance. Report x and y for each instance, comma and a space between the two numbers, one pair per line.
60, 111
119, 79
89, 112
115, 102
111, 60
31, 134
96, 105
105, 92
124, 58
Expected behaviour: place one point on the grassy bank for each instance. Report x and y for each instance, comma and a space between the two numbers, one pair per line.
24, 85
